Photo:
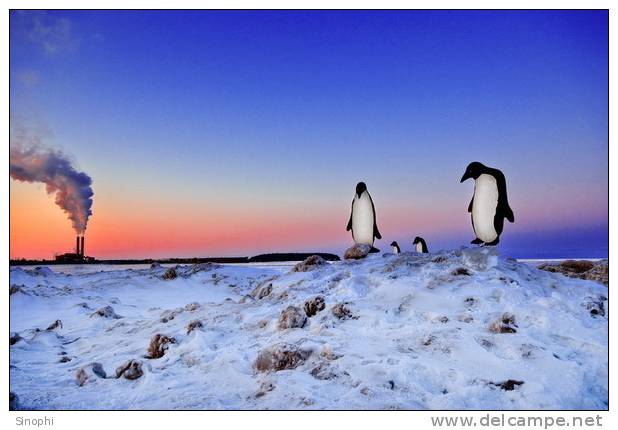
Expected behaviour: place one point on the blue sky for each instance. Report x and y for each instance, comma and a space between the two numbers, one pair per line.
222, 112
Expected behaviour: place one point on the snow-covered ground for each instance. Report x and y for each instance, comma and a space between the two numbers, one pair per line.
454, 330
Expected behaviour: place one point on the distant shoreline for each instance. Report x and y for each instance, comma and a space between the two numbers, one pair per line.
261, 258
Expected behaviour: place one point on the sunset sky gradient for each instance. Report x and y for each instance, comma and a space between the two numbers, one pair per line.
236, 133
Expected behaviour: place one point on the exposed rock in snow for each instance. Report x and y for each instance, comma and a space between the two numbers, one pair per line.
15, 289
291, 317
54, 325
356, 252
262, 290
341, 311
192, 307
280, 357
504, 324
313, 306
13, 401
170, 274
309, 264
582, 269
193, 324
106, 312
90, 372
14, 338
158, 345
131, 370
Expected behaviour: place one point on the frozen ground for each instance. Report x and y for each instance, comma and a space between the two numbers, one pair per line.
452, 330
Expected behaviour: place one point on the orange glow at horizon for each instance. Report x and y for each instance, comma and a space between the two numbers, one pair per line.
159, 226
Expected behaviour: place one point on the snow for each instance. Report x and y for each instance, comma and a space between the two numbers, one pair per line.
417, 336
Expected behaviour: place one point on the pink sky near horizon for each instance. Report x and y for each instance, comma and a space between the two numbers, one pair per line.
124, 227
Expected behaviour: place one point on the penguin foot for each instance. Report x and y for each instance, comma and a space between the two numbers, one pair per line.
373, 250
494, 243
476, 241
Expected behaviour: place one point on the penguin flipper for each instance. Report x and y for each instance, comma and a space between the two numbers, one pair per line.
503, 201
376, 232
499, 223
349, 227
508, 213
470, 205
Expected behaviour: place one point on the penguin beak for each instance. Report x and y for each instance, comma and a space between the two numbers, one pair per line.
464, 177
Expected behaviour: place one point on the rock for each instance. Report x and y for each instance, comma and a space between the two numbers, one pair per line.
106, 312
341, 311
480, 259
16, 289
54, 325
155, 265
193, 324
265, 387
461, 271
323, 372
131, 370
508, 385
358, 251
14, 338
200, 267
13, 401
90, 372
582, 269
280, 357
506, 324
158, 345
291, 317
313, 306
596, 305
192, 306
169, 274
309, 264
262, 290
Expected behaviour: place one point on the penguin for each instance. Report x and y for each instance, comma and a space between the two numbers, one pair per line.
396, 249
421, 246
489, 205
363, 218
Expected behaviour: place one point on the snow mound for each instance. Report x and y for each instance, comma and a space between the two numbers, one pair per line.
464, 329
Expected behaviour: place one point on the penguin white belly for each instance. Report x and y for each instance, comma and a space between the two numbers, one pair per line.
362, 219
419, 247
484, 207
395, 250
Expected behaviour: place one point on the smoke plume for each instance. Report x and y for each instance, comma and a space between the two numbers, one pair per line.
32, 162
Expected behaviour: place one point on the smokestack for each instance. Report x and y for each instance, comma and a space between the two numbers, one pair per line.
77, 245
82, 248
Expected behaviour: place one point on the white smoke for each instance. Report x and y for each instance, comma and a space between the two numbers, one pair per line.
32, 162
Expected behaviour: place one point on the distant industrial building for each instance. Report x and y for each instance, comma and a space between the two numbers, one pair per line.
77, 256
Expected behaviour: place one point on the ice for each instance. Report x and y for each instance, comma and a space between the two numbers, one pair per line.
450, 330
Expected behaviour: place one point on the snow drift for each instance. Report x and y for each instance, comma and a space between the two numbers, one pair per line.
463, 329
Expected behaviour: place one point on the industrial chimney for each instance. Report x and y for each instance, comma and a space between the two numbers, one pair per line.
77, 245
82, 247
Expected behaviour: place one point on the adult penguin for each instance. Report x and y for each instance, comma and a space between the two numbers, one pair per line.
489, 205
421, 246
363, 218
